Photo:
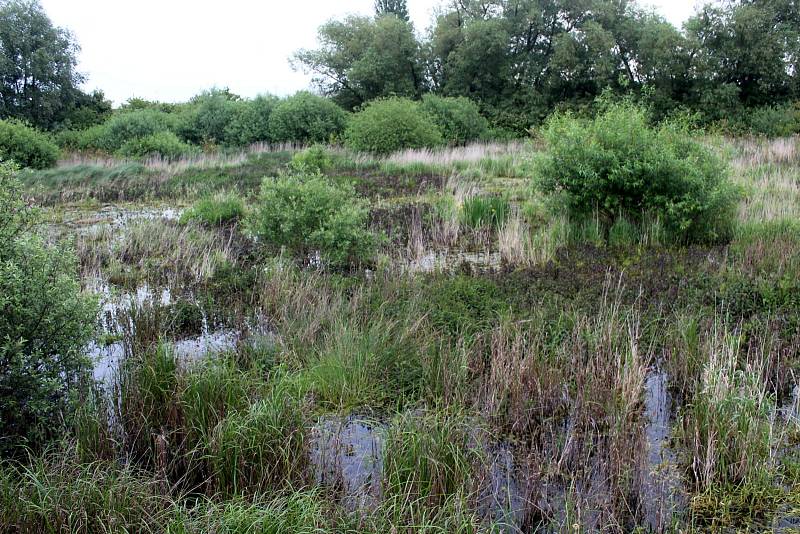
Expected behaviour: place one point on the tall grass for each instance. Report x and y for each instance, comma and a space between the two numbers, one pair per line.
260, 448
728, 426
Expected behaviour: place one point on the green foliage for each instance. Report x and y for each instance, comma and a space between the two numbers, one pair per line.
209, 117
459, 119
121, 128
44, 326
307, 213
362, 58
250, 123
392, 124
218, 210
313, 159
618, 165
38, 66
306, 118
164, 144
464, 305
25, 146
478, 212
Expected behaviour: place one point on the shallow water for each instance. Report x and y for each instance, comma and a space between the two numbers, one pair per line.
347, 456
445, 260
662, 493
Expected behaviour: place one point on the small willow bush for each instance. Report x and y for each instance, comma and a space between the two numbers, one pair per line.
459, 119
26, 146
45, 325
306, 118
307, 213
618, 165
392, 124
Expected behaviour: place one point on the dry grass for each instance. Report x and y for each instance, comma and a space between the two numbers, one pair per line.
472, 153
170, 167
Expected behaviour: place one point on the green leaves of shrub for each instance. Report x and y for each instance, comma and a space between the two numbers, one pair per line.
458, 118
306, 118
164, 144
307, 213
26, 146
45, 323
392, 124
618, 165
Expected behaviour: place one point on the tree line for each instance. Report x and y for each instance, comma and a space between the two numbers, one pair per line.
734, 63
521, 59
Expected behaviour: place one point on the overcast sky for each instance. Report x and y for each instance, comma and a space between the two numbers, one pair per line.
170, 50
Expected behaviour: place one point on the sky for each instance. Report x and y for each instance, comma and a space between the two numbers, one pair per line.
170, 50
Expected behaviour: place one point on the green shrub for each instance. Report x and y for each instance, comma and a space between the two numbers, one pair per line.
307, 213
164, 144
478, 212
306, 118
123, 127
207, 118
314, 159
26, 146
250, 123
391, 124
45, 325
216, 211
459, 119
618, 165
771, 121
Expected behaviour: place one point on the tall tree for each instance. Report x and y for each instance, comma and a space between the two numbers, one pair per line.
362, 58
392, 7
37, 65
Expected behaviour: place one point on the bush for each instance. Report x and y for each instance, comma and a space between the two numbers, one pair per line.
216, 211
313, 159
391, 124
307, 213
26, 146
251, 121
618, 165
306, 118
772, 121
45, 325
120, 129
208, 117
164, 144
458, 119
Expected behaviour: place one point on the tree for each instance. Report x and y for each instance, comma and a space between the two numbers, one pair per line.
392, 7
37, 66
752, 45
361, 59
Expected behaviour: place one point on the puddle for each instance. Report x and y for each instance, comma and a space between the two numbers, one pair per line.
116, 217
662, 492
115, 308
347, 456
444, 261
503, 500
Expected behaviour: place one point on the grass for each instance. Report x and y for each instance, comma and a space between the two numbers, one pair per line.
219, 210
546, 356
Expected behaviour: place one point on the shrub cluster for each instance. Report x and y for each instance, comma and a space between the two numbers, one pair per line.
617, 165
44, 326
306, 118
459, 119
307, 213
391, 124
26, 146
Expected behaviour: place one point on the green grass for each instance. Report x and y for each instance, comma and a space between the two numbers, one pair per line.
480, 212
219, 210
